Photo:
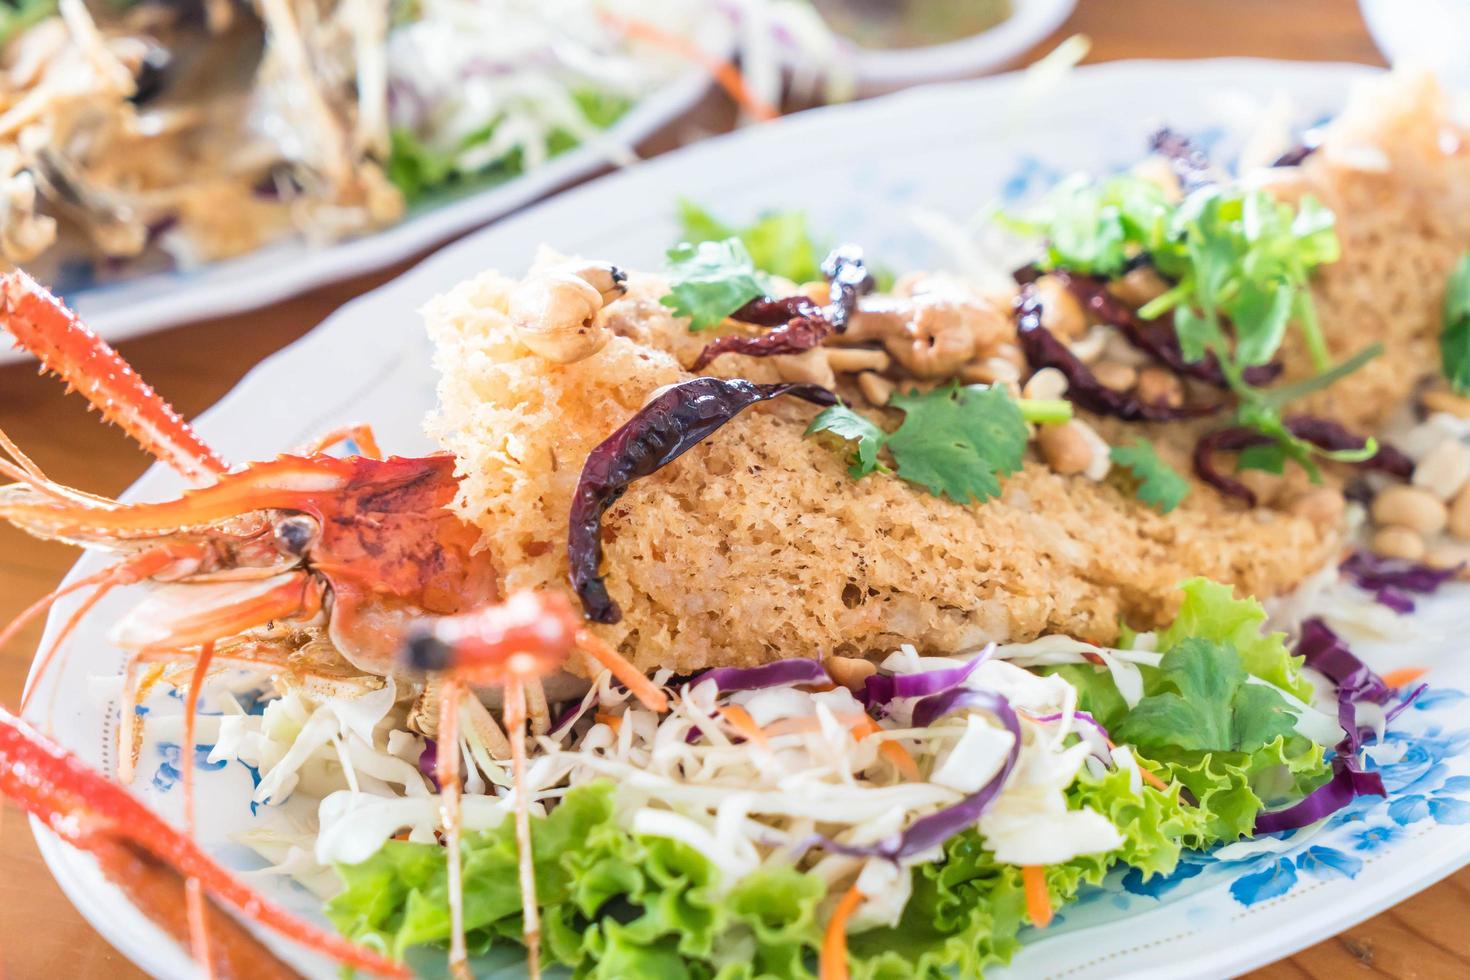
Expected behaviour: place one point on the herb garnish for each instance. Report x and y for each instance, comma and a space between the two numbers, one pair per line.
1159, 485
711, 280
955, 441
1240, 263
1454, 342
1205, 700
778, 241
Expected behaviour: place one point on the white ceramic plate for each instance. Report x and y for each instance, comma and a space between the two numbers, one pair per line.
153, 301
859, 171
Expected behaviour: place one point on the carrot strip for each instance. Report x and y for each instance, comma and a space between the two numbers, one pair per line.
1038, 900
723, 71
833, 962
615, 722
651, 696
890, 750
1404, 676
1153, 780
810, 723
739, 719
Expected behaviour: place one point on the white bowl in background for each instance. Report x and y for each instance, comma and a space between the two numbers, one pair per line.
877, 71
1432, 34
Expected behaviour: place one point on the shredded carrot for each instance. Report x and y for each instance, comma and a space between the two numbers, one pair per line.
652, 697
722, 70
810, 723
1038, 900
833, 963
1404, 676
890, 750
739, 719
615, 722
1153, 780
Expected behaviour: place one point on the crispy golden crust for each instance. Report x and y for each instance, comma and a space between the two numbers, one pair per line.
757, 544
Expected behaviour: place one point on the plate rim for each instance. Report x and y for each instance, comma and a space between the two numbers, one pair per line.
69, 867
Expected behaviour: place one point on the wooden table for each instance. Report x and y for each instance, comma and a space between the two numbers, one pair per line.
41, 935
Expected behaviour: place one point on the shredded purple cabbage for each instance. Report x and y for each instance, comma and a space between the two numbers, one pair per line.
879, 690
1082, 716
570, 713
1391, 580
1324, 651
780, 673
429, 761
932, 831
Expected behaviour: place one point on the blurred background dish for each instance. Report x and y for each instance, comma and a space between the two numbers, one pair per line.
158, 167
1429, 33
899, 43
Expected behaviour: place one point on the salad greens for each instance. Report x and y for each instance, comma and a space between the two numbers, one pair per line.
955, 441
1454, 341
779, 242
1215, 727
1159, 485
418, 168
711, 280
1229, 740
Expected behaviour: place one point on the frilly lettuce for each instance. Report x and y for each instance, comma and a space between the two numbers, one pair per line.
612, 905
1228, 741
616, 905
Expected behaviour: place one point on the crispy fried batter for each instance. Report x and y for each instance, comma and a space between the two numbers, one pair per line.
758, 545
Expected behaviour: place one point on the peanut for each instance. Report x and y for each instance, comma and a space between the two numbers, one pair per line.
1065, 447
1115, 375
850, 672
1412, 508
1323, 506
1444, 469
1398, 542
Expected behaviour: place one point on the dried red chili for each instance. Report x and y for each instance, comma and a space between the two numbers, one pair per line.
1042, 349
1190, 163
1231, 440
799, 323
661, 432
1323, 433
1328, 435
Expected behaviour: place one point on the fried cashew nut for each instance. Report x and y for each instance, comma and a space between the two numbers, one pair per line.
554, 312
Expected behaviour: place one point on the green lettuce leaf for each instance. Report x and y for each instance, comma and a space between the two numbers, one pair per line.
1210, 611
612, 905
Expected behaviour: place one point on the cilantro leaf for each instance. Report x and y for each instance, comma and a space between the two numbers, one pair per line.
844, 423
779, 242
956, 440
711, 280
1159, 485
1454, 342
1206, 703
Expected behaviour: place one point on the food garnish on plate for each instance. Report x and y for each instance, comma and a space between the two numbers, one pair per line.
769, 618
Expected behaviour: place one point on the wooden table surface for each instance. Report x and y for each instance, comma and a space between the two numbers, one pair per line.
41, 935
